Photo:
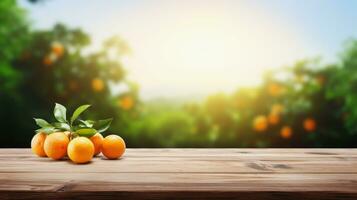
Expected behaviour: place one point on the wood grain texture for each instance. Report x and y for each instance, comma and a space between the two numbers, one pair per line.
184, 174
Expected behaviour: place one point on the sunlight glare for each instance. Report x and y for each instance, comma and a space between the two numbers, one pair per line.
205, 51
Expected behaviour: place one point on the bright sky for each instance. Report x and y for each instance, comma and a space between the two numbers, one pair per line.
194, 48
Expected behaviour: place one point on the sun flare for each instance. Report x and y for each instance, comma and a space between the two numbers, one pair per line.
209, 50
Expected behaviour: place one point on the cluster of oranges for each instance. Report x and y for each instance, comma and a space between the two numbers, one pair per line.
80, 140
80, 149
262, 122
57, 50
97, 84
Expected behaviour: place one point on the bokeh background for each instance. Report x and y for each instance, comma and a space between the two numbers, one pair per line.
172, 73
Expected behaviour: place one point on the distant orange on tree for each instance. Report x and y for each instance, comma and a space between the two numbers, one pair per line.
286, 132
57, 48
273, 119
47, 61
126, 103
260, 123
275, 89
97, 84
309, 124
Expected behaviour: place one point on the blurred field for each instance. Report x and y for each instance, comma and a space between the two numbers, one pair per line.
308, 104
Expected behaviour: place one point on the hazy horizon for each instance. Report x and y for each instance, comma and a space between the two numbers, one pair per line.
182, 49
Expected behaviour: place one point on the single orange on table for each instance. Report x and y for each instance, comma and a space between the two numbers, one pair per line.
113, 146
97, 141
55, 145
37, 143
80, 150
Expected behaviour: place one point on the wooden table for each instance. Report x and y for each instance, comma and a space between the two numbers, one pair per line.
184, 174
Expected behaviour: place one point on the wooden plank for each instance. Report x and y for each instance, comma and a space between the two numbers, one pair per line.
214, 154
184, 174
77, 182
157, 186
205, 151
182, 195
201, 165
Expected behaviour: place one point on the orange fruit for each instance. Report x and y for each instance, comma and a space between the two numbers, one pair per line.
47, 61
275, 89
80, 150
57, 48
286, 132
309, 124
260, 123
126, 102
55, 145
113, 147
273, 119
97, 84
37, 144
97, 141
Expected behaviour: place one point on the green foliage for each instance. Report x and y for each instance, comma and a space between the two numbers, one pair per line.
40, 67
41, 122
78, 111
317, 103
13, 38
86, 132
60, 113
343, 84
102, 125
170, 127
86, 128
61, 126
310, 107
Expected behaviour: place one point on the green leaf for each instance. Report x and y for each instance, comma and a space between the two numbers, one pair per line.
87, 123
80, 126
86, 132
62, 126
60, 112
47, 130
78, 111
103, 125
41, 122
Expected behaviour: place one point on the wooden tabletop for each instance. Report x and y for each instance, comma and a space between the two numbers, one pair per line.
184, 174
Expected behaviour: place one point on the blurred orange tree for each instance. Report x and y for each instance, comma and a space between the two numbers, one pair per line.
41, 67
304, 105
296, 106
